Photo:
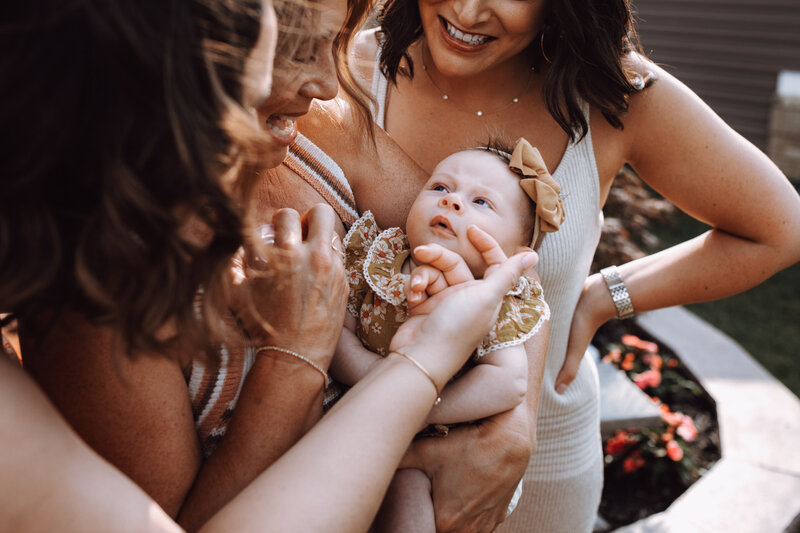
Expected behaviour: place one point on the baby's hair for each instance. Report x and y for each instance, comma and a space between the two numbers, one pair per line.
499, 147
502, 148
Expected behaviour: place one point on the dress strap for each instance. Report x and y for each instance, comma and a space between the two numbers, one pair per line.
316, 167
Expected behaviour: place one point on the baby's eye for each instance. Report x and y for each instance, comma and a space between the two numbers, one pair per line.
440, 188
481, 201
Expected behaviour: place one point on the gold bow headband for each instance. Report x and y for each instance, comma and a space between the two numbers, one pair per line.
540, 187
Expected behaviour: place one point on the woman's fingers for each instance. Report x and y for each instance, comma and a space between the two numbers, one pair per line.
486, 245
288, 230
451, 265
320, 221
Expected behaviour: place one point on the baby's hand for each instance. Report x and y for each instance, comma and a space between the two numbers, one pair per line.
440, 268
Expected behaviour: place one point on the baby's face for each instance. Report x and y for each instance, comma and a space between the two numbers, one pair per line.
471, 187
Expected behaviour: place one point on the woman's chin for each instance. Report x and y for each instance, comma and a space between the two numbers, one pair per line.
275, 155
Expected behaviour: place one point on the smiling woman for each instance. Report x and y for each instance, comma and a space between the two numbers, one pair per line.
118, 218
305, 71
566, 76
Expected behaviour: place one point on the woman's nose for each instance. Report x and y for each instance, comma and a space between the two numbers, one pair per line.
470, 12
451, 201
321, 81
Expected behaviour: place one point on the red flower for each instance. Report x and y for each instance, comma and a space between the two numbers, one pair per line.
672, 363
620, 442
649, 378
674, 451
632, 463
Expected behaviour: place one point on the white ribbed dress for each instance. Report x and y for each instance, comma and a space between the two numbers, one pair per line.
563, 482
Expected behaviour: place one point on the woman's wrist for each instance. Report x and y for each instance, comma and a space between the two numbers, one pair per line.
596, 300
412, 366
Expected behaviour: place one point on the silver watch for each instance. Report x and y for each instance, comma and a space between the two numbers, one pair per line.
619, 292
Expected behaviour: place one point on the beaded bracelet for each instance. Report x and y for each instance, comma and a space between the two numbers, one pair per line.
303, 358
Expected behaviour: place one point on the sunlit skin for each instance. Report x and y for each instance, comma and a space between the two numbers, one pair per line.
310, 75
471, 187
502, 30
257, 77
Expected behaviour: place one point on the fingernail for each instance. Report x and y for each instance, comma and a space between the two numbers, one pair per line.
530, 259
560, 388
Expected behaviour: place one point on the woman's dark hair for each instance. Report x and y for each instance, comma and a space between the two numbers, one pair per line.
120, 119
580, 47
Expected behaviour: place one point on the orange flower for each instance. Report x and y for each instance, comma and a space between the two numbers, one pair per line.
636, 342
674, 451
653, 360
632, 463
670, 418
627, 364
631, 340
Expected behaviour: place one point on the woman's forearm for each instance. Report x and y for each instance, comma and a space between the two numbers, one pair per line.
334, 478
54, 482
711, 266
280, 400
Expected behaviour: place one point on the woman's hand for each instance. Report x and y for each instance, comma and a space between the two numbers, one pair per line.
594, 308
294, 287
475, 470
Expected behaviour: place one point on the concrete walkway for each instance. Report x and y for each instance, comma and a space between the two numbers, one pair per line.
755, 487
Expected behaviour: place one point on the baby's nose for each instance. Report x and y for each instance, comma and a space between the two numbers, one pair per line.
450, 202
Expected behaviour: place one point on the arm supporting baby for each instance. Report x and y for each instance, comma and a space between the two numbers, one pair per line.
499, 382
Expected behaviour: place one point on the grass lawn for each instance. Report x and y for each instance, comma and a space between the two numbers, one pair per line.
765, 320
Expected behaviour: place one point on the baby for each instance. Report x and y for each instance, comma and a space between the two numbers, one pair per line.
512, 198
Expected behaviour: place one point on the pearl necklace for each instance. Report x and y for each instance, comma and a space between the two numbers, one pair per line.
478, 112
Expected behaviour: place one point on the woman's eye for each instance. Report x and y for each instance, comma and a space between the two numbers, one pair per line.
440, 188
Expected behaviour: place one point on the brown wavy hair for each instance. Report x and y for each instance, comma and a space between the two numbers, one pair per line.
120, 119
582, 41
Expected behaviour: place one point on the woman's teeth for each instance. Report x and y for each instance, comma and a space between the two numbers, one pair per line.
467, 38
280, 124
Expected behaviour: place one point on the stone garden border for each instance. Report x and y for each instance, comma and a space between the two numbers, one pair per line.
755, 486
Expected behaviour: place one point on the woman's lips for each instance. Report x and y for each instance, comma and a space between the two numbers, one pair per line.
440, 224
459, 44
282, 127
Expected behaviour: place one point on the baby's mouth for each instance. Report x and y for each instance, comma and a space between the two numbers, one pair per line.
440, 223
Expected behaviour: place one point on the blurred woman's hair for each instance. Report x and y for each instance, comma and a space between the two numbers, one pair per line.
580, 47
120, 120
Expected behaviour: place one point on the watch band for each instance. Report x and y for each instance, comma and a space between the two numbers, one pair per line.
619, 292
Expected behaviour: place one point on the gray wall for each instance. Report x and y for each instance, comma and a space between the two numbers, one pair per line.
727, 51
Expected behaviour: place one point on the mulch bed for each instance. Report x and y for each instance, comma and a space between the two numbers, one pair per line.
629, 496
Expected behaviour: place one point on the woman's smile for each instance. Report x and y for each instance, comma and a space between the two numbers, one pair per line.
463, 40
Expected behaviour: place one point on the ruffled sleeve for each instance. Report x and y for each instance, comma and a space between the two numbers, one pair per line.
521, 315
356, 246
